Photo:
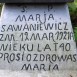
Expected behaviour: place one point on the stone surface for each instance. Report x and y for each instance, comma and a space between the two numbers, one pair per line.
37, 38
38, 74
35, 1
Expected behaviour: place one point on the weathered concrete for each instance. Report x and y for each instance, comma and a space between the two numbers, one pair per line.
45, 30
54, 37
61, 73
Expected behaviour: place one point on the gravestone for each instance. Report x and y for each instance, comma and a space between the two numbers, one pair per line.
37, 40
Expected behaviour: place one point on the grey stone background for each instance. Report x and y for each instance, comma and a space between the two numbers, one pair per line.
71, 8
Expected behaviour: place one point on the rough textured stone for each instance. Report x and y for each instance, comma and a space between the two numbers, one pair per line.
13, 15
61, 73
40, 36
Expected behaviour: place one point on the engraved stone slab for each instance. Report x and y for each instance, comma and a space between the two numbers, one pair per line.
35, 1
37, 38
